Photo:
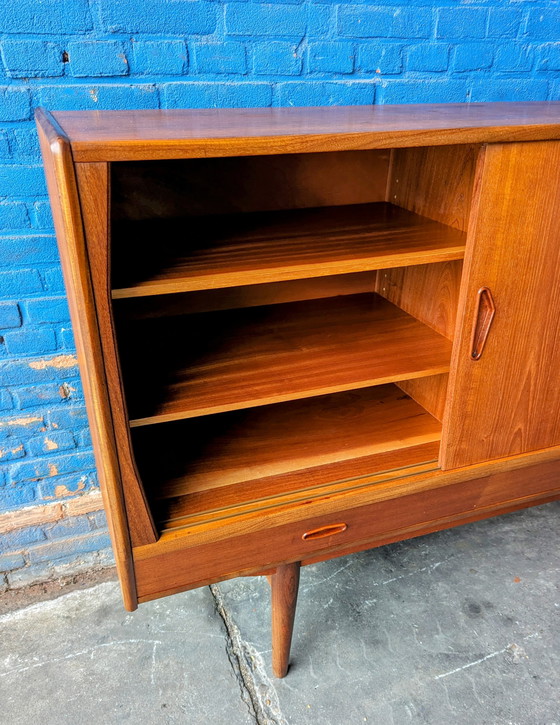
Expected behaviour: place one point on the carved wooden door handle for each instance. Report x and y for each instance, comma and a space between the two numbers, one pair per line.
485, 311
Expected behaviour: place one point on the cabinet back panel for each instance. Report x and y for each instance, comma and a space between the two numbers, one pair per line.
151, 189
253, 295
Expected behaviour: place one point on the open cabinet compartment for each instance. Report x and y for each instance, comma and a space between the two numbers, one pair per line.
275, 328
284, 322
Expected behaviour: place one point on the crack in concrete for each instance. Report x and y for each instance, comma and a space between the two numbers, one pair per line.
257, 690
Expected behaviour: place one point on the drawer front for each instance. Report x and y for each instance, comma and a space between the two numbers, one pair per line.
336, 533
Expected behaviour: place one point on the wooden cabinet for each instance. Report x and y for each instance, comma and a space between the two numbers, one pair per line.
307, 332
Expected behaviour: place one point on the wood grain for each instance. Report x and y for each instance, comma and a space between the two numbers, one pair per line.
252, 445
434, 181
236, 298
430, 393
334, 497
63, 193
212, 252
94, 191
284, 584
406, 514
429, 292
230, 360
155, 134
508, 402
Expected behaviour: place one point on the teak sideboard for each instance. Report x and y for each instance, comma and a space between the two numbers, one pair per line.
307, 332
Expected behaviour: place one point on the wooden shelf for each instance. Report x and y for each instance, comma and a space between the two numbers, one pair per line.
193, 365
182, 255
239, 458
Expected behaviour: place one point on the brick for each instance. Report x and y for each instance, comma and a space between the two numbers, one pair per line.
472, 57
106, 557
326, 93
327, 57
153, 16
41, 216
159, 57
461, 22
221, 58
67, 338
63, 487
91, 58
21, 537
11, 450
5, 151
320, 20
85, 503
15, 496
15, 103
22, 180
84, 439
26, 142
6, 402
98, 96
20, 282
30, 341
51, 442
9, 562
99, 520
364, 22
20, 251
32, 58
29, 575
45, 17
9, 315
277, 58
15, 425
47, 309
504, 22
554, 92
54, 281
258, 20
412, 23
428, 57
548, 57
217, 95
512, 58
527, 89
407, 91
52, 551
68, 527
68, 418
385, 59
37, 395
37, 370
543, 24
52, 466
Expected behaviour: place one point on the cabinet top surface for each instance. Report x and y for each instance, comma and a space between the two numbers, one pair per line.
152, 134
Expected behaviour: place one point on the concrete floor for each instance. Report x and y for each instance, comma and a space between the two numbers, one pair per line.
459, 627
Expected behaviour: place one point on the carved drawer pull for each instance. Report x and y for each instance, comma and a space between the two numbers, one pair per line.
485, 311
323, 531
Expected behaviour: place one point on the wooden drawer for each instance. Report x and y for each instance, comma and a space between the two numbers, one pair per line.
166, 571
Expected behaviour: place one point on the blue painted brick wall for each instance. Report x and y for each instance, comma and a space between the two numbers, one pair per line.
95, 54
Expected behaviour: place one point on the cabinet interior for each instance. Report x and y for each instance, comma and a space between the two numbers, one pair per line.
285, 322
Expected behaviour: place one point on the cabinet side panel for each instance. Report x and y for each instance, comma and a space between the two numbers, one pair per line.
63, 195
508, 401
93, 187
434, 181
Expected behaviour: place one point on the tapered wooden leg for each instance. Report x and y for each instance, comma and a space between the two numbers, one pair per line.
284, 585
